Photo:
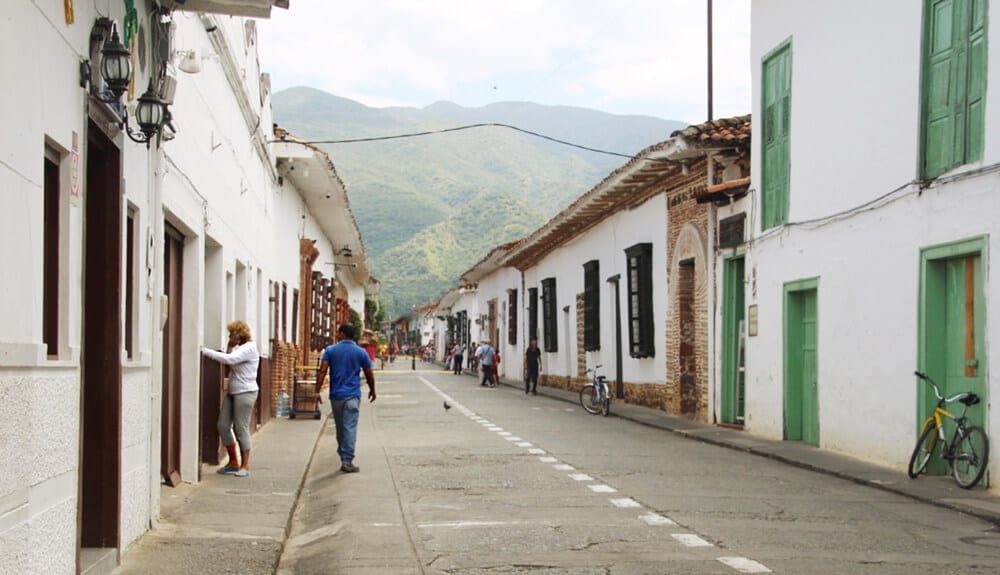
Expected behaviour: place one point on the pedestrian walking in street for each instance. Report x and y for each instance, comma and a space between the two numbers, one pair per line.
485, 354
456, 361
242, 357
532, 367
345, 361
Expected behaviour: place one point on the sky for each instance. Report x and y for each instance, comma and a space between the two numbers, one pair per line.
645, 57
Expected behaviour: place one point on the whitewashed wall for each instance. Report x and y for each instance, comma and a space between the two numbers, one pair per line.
851, 146
495, 286
606, 242
39, 485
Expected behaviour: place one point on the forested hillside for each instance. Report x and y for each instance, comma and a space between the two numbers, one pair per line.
430, 207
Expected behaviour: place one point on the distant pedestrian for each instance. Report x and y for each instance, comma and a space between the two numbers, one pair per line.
243, 359
486, 354
532, 367
345, 361
456, 362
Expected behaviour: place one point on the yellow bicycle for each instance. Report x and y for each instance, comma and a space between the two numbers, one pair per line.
967, 453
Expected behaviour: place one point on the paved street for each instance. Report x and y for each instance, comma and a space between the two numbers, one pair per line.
508, 483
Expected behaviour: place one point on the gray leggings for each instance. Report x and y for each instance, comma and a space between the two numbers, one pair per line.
235, 413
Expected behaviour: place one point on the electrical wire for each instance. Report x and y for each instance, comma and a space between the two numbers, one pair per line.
475, 126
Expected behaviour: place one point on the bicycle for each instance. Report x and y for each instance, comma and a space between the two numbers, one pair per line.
969, 449
595, 396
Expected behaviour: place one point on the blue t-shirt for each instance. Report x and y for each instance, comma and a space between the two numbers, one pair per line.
346, 359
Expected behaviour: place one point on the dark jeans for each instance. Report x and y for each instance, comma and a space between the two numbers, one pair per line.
488, 377
530, 382
456, 363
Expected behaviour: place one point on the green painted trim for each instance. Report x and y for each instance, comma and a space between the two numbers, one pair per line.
926, 292
731, 316
791, 288
786, 43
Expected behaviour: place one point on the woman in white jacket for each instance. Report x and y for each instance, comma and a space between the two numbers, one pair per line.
242, 358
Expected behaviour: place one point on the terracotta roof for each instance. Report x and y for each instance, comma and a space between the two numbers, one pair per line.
724, 131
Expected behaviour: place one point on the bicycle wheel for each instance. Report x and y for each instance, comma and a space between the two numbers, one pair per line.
923, 451
971, 454
589, 399
606, 402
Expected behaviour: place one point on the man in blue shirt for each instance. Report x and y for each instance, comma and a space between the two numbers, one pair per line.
345, 360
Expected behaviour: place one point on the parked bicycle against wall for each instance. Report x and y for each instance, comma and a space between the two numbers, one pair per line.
595, 396
968, 451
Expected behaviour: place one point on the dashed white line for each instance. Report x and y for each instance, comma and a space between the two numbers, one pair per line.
580, 477
602, 489
536, 451
690, 540
504, 433
743, 565
563, 467
524, 444
654, 519
625, 502
547, 459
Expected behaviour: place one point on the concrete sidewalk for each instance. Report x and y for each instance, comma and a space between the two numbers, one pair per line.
232, 525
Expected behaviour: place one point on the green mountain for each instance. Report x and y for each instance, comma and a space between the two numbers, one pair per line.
430, 207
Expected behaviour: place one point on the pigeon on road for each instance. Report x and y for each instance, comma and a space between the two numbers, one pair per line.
446, 406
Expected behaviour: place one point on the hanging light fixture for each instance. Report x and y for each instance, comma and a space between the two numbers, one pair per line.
149, 114
116, 74
116, 65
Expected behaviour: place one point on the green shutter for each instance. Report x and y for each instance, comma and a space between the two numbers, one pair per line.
777, 137
954, 84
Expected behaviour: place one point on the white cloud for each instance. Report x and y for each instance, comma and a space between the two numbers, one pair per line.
638, 56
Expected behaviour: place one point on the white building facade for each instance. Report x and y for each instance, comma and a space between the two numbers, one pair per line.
129, 258
873, 215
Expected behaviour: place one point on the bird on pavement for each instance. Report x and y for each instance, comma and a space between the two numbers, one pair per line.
446, 406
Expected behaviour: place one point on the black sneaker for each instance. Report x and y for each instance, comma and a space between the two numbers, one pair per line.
350, 468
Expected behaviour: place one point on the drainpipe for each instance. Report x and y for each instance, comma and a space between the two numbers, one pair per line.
619, 375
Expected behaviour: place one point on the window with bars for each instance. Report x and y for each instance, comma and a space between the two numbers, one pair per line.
591, 306
532, 313
549, 309
640, 300
512, 316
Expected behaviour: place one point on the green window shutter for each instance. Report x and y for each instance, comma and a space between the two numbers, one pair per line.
777, 137
976, 91
954, 84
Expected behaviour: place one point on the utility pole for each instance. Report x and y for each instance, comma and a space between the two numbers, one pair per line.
710, 60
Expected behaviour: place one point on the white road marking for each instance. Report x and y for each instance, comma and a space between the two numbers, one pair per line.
536, 451
524, 444
504, 433
602, 489
547, 459
743, 565
512, 438
625, 502
563, 467
464, 524
654, 519
690, 540
580, 477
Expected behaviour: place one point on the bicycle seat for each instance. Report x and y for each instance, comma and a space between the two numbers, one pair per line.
970, 399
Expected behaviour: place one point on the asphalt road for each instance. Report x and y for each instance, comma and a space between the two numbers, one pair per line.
508, 483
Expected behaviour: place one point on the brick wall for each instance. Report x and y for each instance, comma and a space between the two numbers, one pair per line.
689, 278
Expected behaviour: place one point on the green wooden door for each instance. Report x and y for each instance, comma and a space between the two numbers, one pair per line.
733, 315
953, 350
801, 363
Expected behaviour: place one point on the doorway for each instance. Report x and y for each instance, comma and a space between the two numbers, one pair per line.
101, 371
733, 339
952, 327
801, 353
170, 433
